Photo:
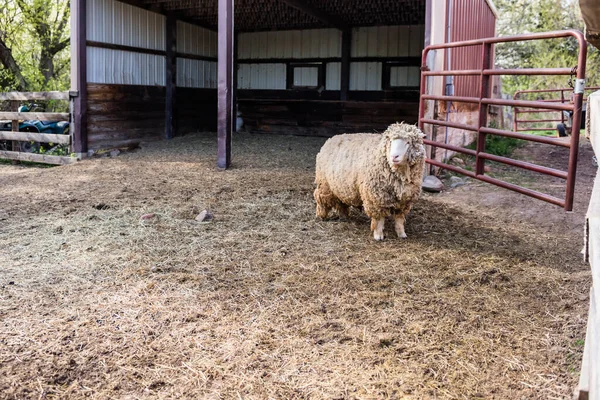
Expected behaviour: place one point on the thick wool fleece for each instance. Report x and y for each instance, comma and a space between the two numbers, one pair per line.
354, 170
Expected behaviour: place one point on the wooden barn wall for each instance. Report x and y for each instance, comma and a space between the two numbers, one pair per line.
324, 118
268, 105
126, 86
122, 115
385, 41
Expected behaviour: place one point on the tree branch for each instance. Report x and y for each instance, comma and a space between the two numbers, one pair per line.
7, 59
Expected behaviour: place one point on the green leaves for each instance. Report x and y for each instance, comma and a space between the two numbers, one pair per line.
527, 16
37, 34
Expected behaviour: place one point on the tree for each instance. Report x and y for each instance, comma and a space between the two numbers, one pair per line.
34, 39
528, 16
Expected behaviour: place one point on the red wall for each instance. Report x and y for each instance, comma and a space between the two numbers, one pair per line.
469, 19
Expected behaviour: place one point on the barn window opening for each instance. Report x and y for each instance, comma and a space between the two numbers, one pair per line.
306, 76
397, 75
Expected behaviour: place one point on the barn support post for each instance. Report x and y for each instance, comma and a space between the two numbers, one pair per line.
225, 83
171, 76
345, 68
235, 82
79, 76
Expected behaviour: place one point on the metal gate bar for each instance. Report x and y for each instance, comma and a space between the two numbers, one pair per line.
522, 125
484, 101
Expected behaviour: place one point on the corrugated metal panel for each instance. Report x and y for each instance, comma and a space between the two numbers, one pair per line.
365, 75
111, 21
196, 73
333, 76
306, 76
405, 76
313, 43
470, 19
262, 76
192, 39
388, 41
124, 68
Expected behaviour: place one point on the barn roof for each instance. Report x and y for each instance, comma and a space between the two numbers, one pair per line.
262, 15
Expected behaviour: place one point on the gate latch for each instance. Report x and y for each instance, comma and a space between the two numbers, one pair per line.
579, 86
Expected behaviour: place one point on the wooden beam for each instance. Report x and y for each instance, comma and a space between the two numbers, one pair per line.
345, 68
225, 83
79, 75
36, 137
35, 115
235, 80
38, 158
428, 12
26, 96
171, 77
318, 14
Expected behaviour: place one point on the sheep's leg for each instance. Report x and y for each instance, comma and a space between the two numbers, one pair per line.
400, 220
377, 225
322, 203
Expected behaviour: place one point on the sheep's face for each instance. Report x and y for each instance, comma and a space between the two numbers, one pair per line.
398, 152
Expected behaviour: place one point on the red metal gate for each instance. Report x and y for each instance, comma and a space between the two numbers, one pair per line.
485, 71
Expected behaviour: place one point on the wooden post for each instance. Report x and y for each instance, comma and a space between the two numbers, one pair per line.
225, 83
171, 77
15, 128
79, 76
589, 381
235, 81
345, 69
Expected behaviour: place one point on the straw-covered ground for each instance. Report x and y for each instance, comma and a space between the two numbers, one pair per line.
266, 301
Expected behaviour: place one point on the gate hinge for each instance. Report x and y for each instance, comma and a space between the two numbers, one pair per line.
579, 86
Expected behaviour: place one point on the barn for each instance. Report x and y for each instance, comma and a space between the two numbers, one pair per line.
148, 70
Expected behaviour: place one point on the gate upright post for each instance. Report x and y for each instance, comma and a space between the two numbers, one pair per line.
486, 59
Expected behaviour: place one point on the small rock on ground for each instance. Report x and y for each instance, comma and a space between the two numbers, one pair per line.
204, 216
432, 184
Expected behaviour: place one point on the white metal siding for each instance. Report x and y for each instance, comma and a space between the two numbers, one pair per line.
196, 73
110, 21
405, 76
262, 76
333, 76
124, 68
388, 41
314, 43
365, 75
192, 39
384, 41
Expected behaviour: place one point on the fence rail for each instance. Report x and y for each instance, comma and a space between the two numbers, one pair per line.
484, 100
14, 139
547, 115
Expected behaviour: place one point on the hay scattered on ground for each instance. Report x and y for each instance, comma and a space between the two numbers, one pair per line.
266, 301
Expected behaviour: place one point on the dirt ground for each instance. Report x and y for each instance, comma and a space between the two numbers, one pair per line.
486, 299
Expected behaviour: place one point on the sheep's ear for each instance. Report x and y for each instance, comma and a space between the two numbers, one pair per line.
416, 155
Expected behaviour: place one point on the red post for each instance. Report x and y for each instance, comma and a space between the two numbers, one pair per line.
484, 88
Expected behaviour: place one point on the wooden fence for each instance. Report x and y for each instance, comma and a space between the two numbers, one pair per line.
14, 136
589, 383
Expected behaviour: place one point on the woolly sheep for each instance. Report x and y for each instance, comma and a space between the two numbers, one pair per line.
381, 173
